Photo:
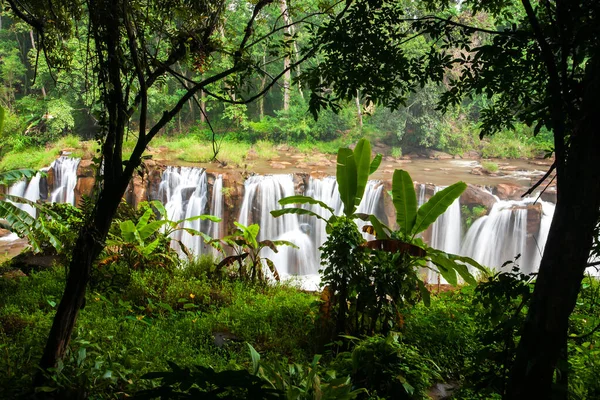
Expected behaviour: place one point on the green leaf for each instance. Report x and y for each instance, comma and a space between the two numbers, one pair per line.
304, 200
405, 200
128, 231
255, 359
379, 228
297, 211
467, 260
9, 177
346, 177
362, 158
203, 217
144, 220
436, 206
151, 228
149, 249
161, 208
424, 293
2, 117
446, 267
81, 355
375, 164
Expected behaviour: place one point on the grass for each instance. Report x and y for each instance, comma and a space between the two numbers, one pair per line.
490, 166
158, 317
128, 331
39, 157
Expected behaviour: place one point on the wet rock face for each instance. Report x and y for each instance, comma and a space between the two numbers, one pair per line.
86, 178
475, 196
233, 194
508, 191
534, 218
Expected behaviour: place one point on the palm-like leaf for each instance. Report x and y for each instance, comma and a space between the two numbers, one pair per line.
405, 200
436, 206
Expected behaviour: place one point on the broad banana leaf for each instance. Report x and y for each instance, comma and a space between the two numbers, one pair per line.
304, 200
405, 200
347, 178
9, 177
375, 163
436, 206
297, 211
362, 158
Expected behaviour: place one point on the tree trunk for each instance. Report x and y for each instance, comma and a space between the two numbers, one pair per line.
359, 113
89, 245
33, 46
566, 254
202, 107
261, 101
287, 77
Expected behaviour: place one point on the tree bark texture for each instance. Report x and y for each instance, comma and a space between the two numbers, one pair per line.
89, 245
287, 77
565, 257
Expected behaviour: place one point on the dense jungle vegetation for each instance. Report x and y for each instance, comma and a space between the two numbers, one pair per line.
119, 314
48, 108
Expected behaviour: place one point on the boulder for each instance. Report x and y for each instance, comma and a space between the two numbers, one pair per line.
476, 196
534, 218
508, 191
277, 165
86, 168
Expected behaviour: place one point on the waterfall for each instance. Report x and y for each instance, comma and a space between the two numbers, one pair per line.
261, 196
65, 180
184, 191
446, 233
501, 235
27, 190
326, 190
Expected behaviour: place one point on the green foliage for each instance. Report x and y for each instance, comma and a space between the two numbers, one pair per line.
123, 335
344, 261
412, 221
501, 303
352, 173
445, 331
247, 248
388, 368
141, 240
470, 215
200, 381
490, 166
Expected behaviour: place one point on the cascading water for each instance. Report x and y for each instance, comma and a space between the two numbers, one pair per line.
184, 191
446, 233
501, 235
65, 180
27, 190
261, 196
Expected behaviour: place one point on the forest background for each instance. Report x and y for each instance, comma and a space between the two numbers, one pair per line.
61, 105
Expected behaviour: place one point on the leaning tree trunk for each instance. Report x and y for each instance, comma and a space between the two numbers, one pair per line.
544, 335
88, 246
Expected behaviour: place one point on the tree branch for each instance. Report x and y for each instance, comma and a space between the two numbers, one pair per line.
538, 183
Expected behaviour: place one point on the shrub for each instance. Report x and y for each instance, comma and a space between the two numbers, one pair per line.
388, 368
490, 166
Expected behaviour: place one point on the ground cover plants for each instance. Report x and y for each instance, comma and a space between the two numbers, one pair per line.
154, 324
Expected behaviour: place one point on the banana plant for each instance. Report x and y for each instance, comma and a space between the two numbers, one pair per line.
21, 222
412, 221
143, 238
247, 248
352, 174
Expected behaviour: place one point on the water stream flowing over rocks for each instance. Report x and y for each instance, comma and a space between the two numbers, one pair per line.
509, 227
